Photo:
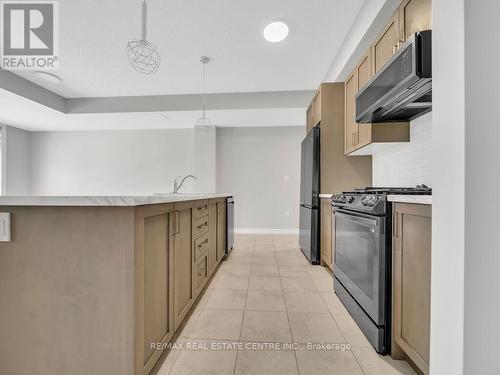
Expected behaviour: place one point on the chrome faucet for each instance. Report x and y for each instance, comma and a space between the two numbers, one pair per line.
177, 186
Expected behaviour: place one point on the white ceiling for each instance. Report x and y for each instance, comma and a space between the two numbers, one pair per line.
94, 33
23, 113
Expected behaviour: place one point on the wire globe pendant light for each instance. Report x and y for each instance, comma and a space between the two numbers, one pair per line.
203, 122
142, 55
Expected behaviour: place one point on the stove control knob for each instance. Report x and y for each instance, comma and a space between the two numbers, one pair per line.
343, 199
373, 201
364, 200
351, 199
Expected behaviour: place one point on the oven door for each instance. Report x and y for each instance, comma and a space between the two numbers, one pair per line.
360, 260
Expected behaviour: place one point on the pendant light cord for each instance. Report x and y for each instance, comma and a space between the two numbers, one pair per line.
144, 20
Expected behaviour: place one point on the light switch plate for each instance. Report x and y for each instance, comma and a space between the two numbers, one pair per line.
4, 226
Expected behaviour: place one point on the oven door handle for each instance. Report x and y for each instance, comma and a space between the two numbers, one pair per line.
358, 217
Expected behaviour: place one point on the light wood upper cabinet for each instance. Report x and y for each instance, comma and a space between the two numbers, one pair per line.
326, 233
351, 88
387, 43
411, 247
313, 115
414, 16
182, 238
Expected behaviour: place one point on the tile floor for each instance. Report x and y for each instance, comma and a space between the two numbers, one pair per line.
266, 292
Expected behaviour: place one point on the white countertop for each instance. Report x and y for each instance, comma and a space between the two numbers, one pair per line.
326, 196
416, 199
131, 200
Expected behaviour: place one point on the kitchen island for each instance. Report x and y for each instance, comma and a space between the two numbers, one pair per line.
95, 285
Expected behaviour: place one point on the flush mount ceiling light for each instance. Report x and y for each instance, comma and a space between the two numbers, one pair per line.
49, 77
276, 32
143, 56
203, 123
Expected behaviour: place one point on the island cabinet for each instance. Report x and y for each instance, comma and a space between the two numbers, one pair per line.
411, 293
201, 247
221, 229
182, 237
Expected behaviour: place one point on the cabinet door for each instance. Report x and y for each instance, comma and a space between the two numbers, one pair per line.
351, 88
153, 287
212, 237
183, 263
221, 230
412, 282
309, 118
365, 72
326, 233
387, 44
414, 16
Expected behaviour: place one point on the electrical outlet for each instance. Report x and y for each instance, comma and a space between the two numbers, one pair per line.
286, 178
4, 226
287, 213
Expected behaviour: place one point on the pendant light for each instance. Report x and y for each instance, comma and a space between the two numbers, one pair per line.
142, 55
203, 123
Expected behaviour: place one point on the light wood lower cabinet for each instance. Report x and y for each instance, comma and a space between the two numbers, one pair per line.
412, 225
154, 258
178, 247
221, 230
182, 239
326, 233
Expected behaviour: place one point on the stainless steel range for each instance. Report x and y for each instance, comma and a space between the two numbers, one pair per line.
362, 268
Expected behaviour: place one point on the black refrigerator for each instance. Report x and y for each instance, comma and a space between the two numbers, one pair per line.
309, 197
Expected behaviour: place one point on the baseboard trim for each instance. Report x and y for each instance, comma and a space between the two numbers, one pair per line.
265, 231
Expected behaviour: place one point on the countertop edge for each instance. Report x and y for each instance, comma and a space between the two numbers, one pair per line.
415, 199
326, 196
102, 201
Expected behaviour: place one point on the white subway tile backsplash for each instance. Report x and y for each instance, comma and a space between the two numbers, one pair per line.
407, 164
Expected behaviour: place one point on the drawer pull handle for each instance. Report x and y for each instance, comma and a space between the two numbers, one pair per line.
203, 243
202, 225
203, 207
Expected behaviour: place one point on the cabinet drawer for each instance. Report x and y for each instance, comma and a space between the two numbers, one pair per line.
201, 272
200, 246
200, 227
200, 208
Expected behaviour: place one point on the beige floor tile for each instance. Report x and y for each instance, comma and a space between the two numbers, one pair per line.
351, 331
227, 299
168, 363
265, 326
241, 253
333, 303
259, 270
235, 269
246, 260
323, 284
314, 328
298, 284
264, 251
290, 260
327, 362
204, 361
230, 281
265, 260
265, 300
265, 283
293, 271
374, 364
318, 271
289, 253
305, 302
218, 324
188, 326
266, 362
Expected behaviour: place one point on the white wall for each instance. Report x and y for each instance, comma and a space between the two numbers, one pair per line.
205, 143
252, 163
448, 170
110, 162
15, 161
482, 175
407, 164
